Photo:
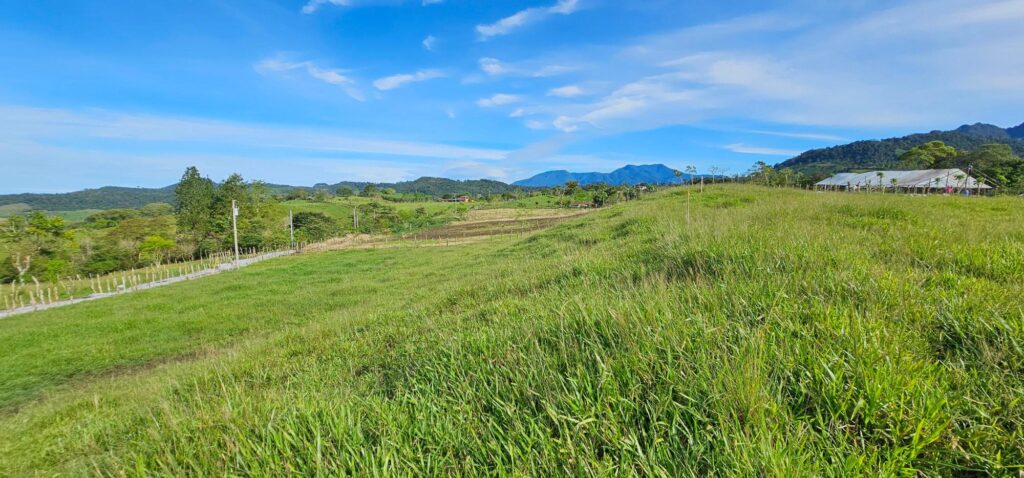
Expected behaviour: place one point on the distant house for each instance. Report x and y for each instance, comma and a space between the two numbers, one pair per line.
919, 180
462, 198
582, 205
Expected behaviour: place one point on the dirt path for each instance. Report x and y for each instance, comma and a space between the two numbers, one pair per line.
148, 285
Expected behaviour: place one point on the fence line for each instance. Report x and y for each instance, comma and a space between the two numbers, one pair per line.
49, 297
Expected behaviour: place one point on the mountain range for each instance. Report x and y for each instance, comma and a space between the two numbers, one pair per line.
884, 154
648, 174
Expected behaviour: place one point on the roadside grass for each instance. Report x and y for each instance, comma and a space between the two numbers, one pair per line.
739, 332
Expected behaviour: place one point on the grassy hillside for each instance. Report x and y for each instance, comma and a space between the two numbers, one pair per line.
754, 332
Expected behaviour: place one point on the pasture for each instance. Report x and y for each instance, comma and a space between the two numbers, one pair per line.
744, 331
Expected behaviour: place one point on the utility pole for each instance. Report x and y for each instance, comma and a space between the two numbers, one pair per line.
291, 230
355, 218
234, 228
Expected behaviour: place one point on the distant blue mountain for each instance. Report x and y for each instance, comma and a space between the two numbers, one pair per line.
648, 174
1016, 131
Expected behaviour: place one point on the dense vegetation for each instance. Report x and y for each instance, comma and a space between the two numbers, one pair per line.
744, 331
885, 154
110, 197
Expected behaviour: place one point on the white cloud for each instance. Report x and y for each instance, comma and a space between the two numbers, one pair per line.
524, 17
798, 135
330, 76
566, 124
567, 91
314, 5
760, 150
554, 70
499, 99
429, 42
918, 65
496, 67
395, 81
87, 145
535, 124
519, 112
37, 124
492, 66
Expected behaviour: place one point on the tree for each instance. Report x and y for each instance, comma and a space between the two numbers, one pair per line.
997, 161
343, 192
297, 193
880, 176
715, 171
571, 187
194, 210
931, 155
369, 190
109, 218
692, 171
763, 170
314, 226
321, 196
155, 249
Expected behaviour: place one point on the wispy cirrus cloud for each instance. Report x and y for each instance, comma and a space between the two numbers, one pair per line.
525, 17
157, 148
313, 5
495, 67
395, 81
760, 150
780, 69
326, 75
567, 91
429, 43
499, 99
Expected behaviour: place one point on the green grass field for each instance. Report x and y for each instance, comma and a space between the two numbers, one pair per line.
739, 332
341, 208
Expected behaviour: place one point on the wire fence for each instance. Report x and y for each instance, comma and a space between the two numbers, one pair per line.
28, 293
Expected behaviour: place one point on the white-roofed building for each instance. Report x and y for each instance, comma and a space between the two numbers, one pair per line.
920, 180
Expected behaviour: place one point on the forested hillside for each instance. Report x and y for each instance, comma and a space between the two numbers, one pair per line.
884, 154
109, 197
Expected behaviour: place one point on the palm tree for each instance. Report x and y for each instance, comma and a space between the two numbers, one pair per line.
880, 176
894, 182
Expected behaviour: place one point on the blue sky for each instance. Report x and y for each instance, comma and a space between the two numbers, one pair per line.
129, 93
